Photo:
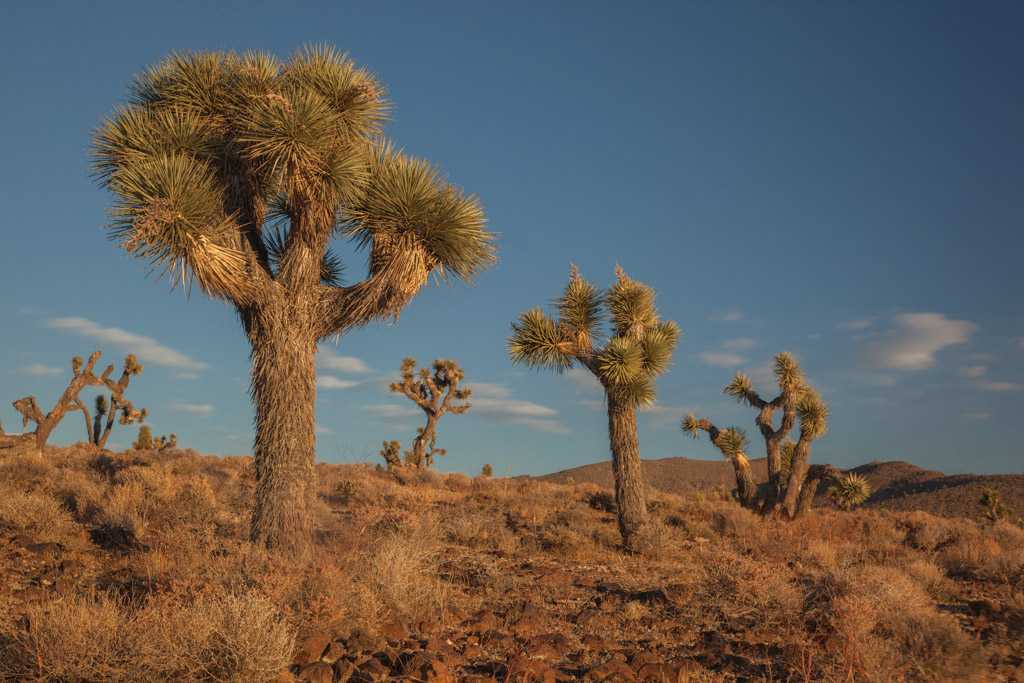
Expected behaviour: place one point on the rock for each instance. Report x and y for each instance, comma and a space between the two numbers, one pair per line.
317, 672
523, 669
361, 641
395, 630
371, 670
334, 652
659, 672
613, 670
285, 676
311, 648
343, 670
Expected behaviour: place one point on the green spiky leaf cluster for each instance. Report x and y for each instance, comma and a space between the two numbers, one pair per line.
732, 442
637, 350
213, 145
850, 490
813, 413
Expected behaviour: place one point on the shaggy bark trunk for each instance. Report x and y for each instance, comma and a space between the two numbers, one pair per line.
630, 488
746, 487
807, 492
797, 476
284, 394
419, 444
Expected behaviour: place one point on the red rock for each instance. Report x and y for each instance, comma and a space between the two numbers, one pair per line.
659, 673
612, 670
334, 652
311, 648
317, 672
395, 630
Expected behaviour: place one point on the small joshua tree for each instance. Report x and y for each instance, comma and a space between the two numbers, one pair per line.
993, 505
788, 462
165, 442
850, 490
790, 379
639, 348
487, 470
144, 441
391, 452
82, 376
732, 442
434, 392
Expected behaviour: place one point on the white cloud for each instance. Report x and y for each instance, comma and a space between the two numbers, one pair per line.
193, 408
858, 325
991, 385
723, 359
329, 360
914, 339
332, 382
542, 425
489, 390
40, 370
663, 415
186, 375
739, 344
146, 348
727, 316
320, 429
973, 371
583, 379
388, 410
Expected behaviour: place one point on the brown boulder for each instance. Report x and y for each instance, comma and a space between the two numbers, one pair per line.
311, 648
317, 672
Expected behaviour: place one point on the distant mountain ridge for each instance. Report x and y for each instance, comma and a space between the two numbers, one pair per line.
896, 484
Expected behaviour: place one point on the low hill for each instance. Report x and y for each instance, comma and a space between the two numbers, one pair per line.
897, 485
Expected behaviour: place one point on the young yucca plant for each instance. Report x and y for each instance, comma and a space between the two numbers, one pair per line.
638, 348
850, 490
436, 393
235, 172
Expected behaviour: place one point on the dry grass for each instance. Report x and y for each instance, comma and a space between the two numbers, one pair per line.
867, 595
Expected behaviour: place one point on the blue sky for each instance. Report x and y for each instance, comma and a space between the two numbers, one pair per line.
839, 180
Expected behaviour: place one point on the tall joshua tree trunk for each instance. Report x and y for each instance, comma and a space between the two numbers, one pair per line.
630, 493
419, 444
283, 387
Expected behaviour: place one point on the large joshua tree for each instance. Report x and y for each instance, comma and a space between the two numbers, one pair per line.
639, 348
436, 393
235, 172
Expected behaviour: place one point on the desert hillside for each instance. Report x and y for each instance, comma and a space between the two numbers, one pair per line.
136, 567
895, 485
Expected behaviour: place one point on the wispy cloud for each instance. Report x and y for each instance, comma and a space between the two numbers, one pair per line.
489, 390
739, 344
542, 425
193, 408
186, 375
729, 316
973, 371
914, 339
329, 360
390, 410
517, 411
146, 348
332, 382
320, 429
981, 415
724, 359
993, 385
39, 370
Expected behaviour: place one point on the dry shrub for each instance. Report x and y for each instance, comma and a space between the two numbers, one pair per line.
402, 569
73, 640
36, 515
218, 637
930, 577
25, 473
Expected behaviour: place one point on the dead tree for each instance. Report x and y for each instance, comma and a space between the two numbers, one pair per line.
434, 393
82, 377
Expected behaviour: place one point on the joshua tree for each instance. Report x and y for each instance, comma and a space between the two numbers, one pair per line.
144, 441
82, 376
235, 172
993, 505
813, 414
391, 452
487, 470
788, 462
732, 442
849, 490
639, 349
433, 393
166, 441
790, 379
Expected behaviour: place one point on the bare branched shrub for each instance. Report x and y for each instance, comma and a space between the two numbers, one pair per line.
35, 514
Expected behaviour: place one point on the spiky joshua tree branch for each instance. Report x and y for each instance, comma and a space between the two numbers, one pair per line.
236, 172
436, 391
82, 376
626, 363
